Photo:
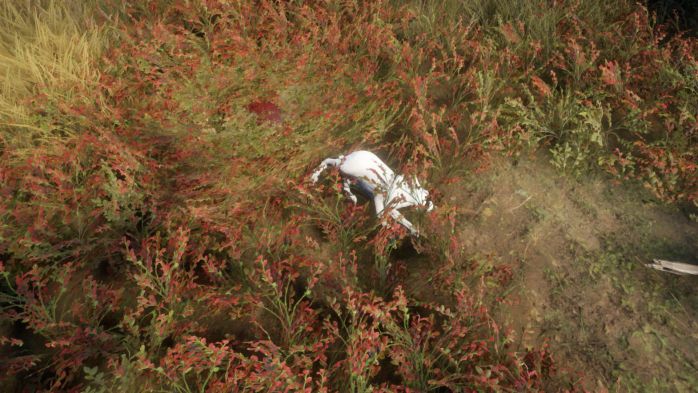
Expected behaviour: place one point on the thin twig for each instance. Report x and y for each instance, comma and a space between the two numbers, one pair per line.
521, 204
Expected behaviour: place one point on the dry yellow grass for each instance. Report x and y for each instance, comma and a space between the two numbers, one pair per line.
46, 47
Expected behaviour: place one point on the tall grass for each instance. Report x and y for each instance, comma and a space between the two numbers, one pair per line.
181, 190
48, 51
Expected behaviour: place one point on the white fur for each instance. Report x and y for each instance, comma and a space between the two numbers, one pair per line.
390, 192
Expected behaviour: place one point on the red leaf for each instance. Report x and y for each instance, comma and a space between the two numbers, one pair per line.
541, 86
610, 74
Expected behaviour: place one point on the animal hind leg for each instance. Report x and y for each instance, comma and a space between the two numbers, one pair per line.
379, 201
405, 222
347, 189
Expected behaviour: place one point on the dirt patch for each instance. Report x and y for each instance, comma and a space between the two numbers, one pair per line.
578, 246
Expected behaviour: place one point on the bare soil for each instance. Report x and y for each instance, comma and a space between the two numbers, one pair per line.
578, 247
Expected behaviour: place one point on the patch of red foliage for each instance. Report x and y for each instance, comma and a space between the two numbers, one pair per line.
191, 257
265, 110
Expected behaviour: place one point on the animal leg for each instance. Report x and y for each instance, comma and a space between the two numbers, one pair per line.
379, 201
402, 220
347, 189
379, 204
325, 163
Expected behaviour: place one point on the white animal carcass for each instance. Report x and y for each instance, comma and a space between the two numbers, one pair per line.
376, 180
